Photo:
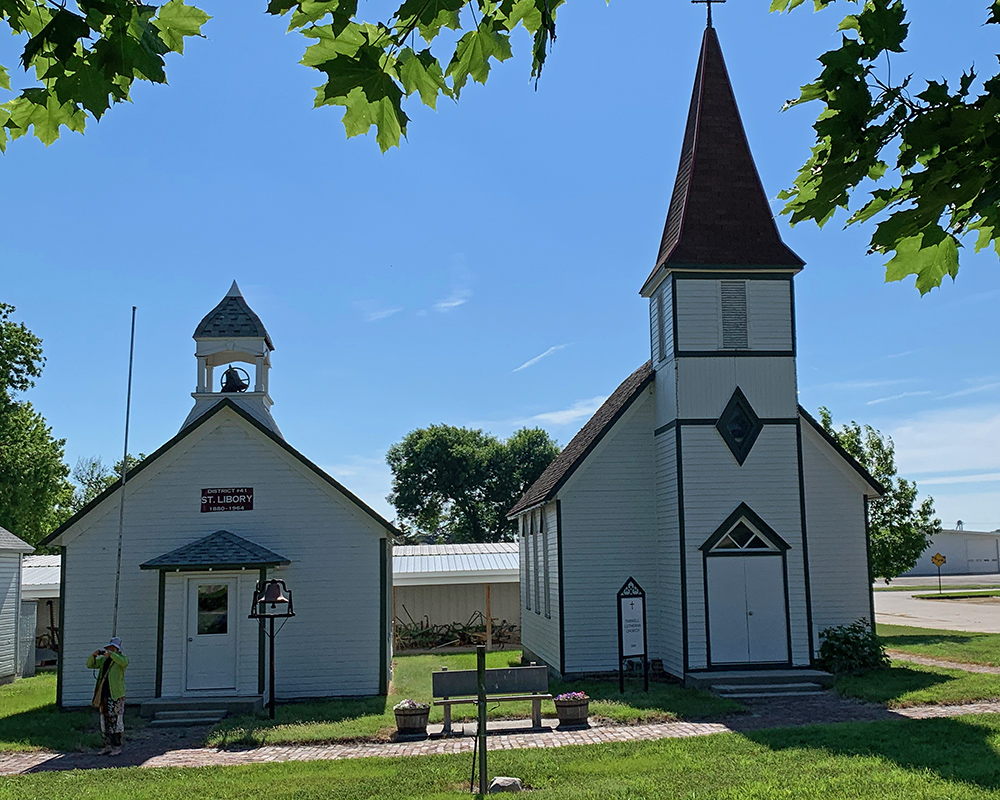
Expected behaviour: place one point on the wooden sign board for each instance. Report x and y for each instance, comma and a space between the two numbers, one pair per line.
632, 630
938, 560
238, 499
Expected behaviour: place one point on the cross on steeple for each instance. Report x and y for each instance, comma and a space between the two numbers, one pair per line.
708, 6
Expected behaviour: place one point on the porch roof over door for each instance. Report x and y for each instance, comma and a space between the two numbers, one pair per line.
219, 550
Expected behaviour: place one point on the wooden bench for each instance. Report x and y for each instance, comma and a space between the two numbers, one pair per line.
513, 683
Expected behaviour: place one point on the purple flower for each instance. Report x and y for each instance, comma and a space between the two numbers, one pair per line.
572, 696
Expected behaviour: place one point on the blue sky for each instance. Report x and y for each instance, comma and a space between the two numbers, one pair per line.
487, 272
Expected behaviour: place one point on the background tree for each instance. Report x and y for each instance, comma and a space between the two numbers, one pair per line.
454, 484
34, 491
93, 476
900, 529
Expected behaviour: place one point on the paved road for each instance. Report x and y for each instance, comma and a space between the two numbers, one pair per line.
900, 608
990, 579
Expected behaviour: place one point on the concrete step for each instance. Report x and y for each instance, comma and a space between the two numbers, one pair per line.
762, 695
231, 705
772, 688
193, 712
770, 677
183, 722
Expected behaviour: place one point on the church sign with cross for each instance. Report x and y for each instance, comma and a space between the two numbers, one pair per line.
632, 629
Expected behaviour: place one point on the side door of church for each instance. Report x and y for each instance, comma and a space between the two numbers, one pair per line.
211, 634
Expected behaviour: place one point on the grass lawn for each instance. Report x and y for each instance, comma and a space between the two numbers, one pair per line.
933, 587
941, 759
29, 719
961, 646
959, 595
905, 684
334, 720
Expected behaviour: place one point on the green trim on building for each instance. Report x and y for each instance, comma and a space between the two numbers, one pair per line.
160, 603
62, 627
261, 642
383, 641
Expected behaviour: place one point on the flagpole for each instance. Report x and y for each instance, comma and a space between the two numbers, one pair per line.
121, 494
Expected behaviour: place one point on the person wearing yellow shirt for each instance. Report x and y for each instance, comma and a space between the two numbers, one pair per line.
109, 693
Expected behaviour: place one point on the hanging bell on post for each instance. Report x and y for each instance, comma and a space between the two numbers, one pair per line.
233, 382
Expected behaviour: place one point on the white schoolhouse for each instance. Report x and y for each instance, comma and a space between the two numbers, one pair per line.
224, 504
701, 477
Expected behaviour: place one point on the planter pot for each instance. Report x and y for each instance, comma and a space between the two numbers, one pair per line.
412, 720
572, 712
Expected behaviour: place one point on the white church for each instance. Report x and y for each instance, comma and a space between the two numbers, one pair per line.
227, 502
701, 478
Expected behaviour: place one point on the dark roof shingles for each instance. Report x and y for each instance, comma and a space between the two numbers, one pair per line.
580, 446
232, 317
221, 548
719, 213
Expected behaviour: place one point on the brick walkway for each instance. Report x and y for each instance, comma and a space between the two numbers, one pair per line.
179, 749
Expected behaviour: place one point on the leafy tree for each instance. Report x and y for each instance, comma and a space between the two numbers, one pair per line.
34, 492
931, 150
93, 476
456, 484
900, 529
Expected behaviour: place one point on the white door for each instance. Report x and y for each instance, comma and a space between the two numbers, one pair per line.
746, 610
982, 556
211, 633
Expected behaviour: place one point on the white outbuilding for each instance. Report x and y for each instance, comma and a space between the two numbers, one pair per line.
965, 552
701, 481
444, 584
223, 505
13, 634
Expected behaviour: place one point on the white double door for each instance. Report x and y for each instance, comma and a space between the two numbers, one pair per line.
747, 621
211, 633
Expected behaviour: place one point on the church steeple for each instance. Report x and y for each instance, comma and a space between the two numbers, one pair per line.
232, 332
719, 216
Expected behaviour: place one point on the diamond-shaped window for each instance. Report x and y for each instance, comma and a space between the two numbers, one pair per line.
739, 426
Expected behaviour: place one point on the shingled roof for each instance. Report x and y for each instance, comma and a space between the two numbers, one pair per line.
581, 445
232, 317
719, 214
217, 550
8, 541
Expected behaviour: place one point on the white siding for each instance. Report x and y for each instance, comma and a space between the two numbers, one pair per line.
704, 386
669, 634
699, 315
714, 485
666, 391
661, 314
10, 577
540, 633
835, 528
332, 544
609, 534
769, 306
457, 602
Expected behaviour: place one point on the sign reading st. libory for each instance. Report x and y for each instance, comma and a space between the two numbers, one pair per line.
239, 499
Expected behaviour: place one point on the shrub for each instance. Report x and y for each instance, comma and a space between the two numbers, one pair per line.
851, 649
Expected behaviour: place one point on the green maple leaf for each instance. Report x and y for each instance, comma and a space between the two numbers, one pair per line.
473, 53
43, 111
175, 20
4, 79
89, 87
60, 35
929, 262
421, 72
430, 16
361, 113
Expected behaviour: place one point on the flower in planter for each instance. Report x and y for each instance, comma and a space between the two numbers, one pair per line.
572, 696
409, 705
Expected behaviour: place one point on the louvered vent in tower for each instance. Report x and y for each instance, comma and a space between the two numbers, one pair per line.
734, 315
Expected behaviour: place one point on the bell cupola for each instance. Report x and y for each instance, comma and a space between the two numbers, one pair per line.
231, 335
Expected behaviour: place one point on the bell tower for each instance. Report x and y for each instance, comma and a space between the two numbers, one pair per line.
232, 334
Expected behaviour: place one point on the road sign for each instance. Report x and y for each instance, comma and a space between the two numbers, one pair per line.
938, 560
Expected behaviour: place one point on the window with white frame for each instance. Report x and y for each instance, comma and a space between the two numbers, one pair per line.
546, 599
534, 566
526, 589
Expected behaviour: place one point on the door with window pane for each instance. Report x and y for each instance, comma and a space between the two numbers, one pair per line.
211, 633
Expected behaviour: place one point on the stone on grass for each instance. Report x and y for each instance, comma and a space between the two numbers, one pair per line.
501, 784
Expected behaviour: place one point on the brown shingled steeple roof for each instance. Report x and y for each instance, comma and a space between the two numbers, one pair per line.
719, 214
